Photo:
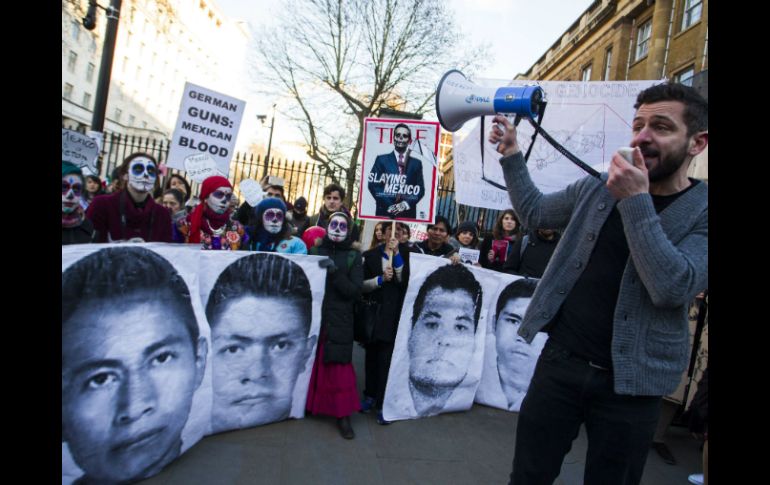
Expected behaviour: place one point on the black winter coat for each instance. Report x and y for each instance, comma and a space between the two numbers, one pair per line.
343, 288
390, 295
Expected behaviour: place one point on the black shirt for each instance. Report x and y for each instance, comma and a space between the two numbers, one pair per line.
583, 324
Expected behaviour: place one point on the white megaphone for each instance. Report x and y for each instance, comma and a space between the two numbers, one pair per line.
458, 100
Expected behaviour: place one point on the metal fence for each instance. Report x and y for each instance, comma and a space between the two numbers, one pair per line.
302, 178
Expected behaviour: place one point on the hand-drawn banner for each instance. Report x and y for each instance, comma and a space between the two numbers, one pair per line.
590, 119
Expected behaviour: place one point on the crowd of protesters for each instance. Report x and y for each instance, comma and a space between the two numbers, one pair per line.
589, 323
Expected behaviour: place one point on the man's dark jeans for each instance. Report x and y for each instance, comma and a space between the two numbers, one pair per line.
566, 391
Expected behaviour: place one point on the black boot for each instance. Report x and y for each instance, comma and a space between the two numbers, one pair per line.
346, 430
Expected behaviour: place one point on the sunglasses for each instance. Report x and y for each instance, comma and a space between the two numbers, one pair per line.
273, 216
138, 169
77, 189
218, 194
338, 225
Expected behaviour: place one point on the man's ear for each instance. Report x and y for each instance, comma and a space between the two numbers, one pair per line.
698, 143
309, 345
201, 353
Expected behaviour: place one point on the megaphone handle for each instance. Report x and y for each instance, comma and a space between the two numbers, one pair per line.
517, 120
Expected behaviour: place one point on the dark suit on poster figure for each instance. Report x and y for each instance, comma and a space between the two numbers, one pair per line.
397, 194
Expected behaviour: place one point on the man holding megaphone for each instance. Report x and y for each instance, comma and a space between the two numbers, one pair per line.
615, 294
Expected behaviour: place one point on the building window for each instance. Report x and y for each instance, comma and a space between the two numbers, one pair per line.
131, 120
692, 10
124, 65
685, 76
607, 64
72, 62
90, 72
68, 91
643, 39
118, 112
75, 30
87, 100
586, 73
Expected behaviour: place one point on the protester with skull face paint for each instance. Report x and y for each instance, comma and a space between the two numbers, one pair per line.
131, 213
271, 231
209, 223
75, 228
332, 389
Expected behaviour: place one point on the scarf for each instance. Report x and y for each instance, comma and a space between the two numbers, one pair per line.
73, 219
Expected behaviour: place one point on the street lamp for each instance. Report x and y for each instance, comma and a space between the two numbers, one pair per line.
262, 118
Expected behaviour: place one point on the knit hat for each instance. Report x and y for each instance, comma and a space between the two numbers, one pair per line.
268, 203
467, 226
213, 183
68, 168
300, 203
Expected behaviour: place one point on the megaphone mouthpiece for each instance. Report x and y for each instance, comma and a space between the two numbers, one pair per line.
458, 100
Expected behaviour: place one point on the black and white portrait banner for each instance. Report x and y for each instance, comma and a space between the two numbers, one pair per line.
509, 361
439, 349
163, 344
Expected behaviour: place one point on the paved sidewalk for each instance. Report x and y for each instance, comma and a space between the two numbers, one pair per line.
474, 447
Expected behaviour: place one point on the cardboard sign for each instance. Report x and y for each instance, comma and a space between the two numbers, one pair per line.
399, 170
251, 191
200, 167
208, 123
468, 256
79, 149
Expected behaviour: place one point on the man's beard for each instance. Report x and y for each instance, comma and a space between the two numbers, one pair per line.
668, 164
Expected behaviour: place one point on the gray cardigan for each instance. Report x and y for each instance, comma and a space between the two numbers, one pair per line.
667, 267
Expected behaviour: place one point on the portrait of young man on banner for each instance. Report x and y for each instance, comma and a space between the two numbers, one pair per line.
264, 313
438, 353
509, 361
399, 170
133, 364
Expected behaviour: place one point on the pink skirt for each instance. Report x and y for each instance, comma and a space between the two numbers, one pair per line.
332, 390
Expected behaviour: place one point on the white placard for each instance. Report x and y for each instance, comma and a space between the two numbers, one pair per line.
208, 123
200, 167
590, 119
468, 256
79, 149
251, 191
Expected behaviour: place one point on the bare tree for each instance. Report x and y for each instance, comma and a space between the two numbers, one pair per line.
341, 61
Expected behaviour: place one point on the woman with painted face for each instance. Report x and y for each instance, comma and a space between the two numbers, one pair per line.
271, 231
209, 224
75, 228
332, 390
131, 214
